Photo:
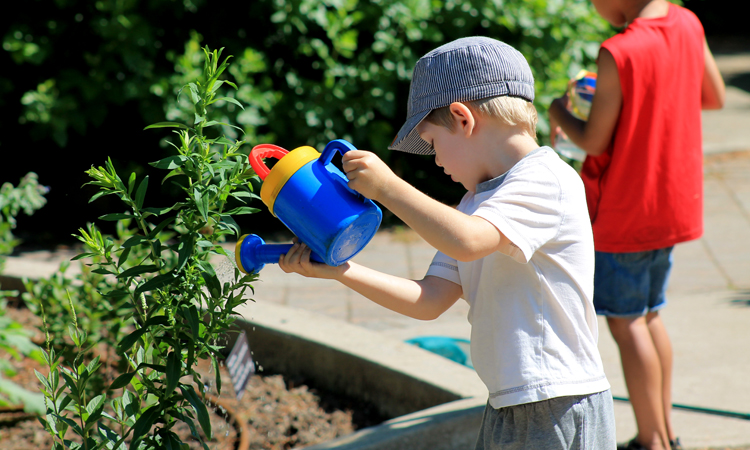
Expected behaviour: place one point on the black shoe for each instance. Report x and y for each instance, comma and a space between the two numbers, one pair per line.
632, 445
676, 444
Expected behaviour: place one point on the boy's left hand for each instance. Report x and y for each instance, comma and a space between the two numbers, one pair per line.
367, 173
297, 260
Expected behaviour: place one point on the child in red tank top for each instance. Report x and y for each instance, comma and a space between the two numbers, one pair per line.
643, 178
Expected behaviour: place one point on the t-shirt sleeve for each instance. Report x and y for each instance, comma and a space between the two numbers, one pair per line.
526, 208
445, 267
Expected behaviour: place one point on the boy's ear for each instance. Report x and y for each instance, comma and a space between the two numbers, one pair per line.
463, 118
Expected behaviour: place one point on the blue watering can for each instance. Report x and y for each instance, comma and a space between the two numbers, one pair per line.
311, 197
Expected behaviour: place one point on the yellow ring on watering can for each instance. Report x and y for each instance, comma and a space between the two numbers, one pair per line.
237, 248
283, 171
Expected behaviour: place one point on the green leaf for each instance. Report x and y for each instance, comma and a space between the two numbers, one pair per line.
191, 313
174, 370
94, 365
239, 195
212, 283
116, 216
170, 162
155, 283
242, 210
141, 193
131, 183
163, 210
128, 341
144, 423
229, 223
110, 438
222, 140
137, 270
122, 381
74, 334
186, 246
168, 125
217, 372
201, 202
160, 227
123, 256
194, 93
82, 255
200, 409
133, 241
157, 367
94, 409
231, 100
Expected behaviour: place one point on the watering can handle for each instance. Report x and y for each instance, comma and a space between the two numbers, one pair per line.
264, 151
339, 145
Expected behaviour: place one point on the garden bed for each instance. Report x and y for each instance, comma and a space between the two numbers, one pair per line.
280, 412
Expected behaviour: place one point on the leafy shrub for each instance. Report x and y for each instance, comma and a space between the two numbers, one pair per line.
158, 275
307, 70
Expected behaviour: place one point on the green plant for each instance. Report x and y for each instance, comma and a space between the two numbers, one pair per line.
178, 304
15, 340
28, 197
105, 322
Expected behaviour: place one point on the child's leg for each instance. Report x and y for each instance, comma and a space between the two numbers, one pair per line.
629, 288
664, 348
580, 422
641, 366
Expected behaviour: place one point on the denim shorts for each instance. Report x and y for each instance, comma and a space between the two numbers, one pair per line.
631, 284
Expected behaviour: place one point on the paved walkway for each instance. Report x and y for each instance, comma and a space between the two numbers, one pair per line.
708, 316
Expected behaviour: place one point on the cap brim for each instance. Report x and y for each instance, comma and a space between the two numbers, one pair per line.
408, 139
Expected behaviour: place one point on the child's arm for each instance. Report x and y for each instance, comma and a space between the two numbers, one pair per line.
713, 89
593, 136
425, 299
458, 235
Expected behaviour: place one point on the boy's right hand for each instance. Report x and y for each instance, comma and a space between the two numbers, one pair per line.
367, 173
561, 104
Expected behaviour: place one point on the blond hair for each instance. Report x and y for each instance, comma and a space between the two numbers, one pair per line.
510, 110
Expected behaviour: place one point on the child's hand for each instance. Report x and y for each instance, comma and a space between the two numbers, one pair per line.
297, 260
561, 104
367, 173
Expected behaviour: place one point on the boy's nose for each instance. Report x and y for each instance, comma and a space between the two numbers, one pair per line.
437, 161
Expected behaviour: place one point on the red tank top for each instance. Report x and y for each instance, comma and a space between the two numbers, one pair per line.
646, 190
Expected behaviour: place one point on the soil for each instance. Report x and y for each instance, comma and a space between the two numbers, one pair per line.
277, 412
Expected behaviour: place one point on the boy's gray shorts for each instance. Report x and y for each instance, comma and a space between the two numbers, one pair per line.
575, 422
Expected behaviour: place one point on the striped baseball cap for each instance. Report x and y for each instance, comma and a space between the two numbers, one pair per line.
464, 70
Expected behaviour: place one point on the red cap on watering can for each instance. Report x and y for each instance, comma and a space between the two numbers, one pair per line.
288, 164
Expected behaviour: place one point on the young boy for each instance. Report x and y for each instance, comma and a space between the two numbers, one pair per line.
518, 249
643, 178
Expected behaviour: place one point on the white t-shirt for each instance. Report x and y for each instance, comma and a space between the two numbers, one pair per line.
534, 328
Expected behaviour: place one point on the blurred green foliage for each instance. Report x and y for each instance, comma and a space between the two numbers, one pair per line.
90, 74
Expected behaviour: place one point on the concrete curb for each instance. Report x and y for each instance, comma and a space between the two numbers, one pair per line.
397, 377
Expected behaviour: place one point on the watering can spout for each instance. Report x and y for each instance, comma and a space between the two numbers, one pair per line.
252, 253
